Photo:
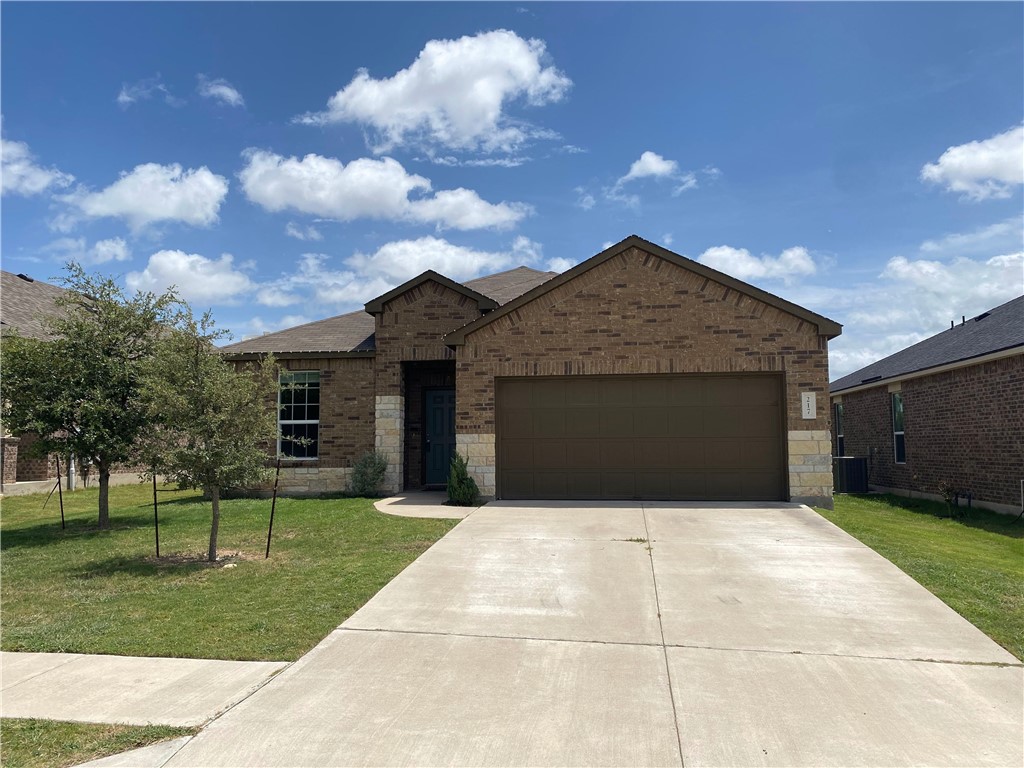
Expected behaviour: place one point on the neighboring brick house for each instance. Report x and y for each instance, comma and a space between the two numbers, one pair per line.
947, 409
637, 374
24, 302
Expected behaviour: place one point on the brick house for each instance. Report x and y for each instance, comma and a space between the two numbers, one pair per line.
23, 304
947, 409
637, 374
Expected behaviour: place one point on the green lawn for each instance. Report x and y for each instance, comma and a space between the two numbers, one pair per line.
975, 565
54, 744
85, 591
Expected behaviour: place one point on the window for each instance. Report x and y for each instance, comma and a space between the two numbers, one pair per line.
898, 440
840, 446
299, 414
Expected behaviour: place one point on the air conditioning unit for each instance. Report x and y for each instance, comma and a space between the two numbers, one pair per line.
850, 474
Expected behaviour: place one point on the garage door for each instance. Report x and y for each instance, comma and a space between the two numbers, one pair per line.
641, 437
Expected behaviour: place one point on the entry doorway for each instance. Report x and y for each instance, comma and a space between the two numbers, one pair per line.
439, 434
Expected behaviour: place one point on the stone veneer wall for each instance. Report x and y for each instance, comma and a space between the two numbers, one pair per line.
637, 313
810, 466
479, 452
390, 438
962, 426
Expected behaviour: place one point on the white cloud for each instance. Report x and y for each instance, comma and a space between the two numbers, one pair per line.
198, 278
667, 239
739, 262
220, 90
131, 93
257, 326
585, 200
75, 249
20, 175
651, 164
365, 188
403, 259
302, 233
362, 276
981, 169
560, 264
114, 249
1007, 234
909, 300
455, 94
153, 193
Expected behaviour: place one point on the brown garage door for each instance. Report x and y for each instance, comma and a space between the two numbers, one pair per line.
641, 437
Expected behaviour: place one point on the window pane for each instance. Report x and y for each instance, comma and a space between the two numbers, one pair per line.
840, 447
299, 441
901, 448
897, 412
839, 418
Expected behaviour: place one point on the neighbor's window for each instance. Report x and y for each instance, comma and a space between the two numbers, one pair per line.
840, 447
898, 440
299, 414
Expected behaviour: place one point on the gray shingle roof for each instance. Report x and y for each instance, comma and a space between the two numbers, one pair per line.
24, 302
998, 329
353, 332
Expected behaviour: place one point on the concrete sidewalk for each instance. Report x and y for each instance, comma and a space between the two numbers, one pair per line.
422, 504
126, 689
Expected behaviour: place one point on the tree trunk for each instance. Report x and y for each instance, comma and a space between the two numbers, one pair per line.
104, 497
215, 502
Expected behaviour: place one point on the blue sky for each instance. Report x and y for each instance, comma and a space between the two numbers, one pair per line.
281, 163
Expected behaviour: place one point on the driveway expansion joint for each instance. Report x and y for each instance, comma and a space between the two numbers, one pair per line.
499, 637
664, 647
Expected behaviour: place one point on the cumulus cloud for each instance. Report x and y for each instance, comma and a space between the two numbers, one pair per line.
980, 170
149, 88
197, 278
455, 94
791, 264
584, 199
302, 233
220, 90
21, 175
76, 249
153, 193
257, 326
560, 264
366, 188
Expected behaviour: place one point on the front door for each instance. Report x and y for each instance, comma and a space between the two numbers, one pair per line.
440, 434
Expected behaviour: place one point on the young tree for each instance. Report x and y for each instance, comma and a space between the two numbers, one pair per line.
214, 421
80, 390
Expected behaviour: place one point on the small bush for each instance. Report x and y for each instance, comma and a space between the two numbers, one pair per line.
368, 474
462, 489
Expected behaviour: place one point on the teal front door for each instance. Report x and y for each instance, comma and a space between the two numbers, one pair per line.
440, 435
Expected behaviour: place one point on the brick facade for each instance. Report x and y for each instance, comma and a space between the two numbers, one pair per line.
637, 313
32, 467
962, 426
10, 445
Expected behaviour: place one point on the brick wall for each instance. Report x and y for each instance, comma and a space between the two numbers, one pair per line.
411, 327
964, 426
32, 467
637, 313
9, 445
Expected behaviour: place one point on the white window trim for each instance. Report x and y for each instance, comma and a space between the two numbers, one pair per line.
281, 421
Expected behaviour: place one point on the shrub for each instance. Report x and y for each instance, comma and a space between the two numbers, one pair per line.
368, 474
462, 489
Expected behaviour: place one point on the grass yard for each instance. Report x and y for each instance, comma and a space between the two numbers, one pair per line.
82, 590
55, 744
974, 565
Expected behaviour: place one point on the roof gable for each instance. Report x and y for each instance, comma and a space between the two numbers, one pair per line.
484, 303
825, 326
998, 329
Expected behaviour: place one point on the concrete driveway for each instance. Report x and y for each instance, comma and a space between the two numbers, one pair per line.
620, 634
